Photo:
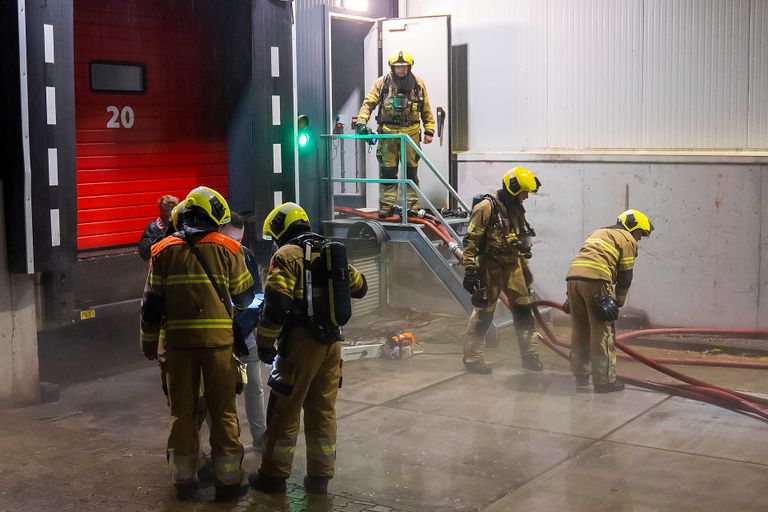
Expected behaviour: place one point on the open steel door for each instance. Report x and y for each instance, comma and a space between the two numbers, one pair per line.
372, 72
428, 40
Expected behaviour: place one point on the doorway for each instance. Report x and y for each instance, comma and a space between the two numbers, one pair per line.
358, 49
351, 52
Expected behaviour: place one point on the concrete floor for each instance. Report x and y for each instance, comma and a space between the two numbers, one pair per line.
417, 434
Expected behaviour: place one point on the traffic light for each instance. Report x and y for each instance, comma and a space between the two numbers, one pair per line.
304, 135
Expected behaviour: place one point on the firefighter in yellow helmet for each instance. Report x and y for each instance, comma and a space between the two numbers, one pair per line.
305, 307
598, 283
195, 277
497, 248
403, 104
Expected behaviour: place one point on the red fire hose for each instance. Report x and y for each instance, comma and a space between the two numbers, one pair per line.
435, 226
725, 363
693, 388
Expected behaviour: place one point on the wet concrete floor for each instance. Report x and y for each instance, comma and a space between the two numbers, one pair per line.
417, 434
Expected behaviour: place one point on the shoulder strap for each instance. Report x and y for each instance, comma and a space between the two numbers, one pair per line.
494, 207
384, 91
417, 90
224, 298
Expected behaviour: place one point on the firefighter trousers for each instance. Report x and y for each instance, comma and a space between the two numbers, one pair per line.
313, 371
388, 154
591, 336
184, 369
497, 277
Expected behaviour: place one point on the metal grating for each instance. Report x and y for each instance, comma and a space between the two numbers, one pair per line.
371, 268
109, 276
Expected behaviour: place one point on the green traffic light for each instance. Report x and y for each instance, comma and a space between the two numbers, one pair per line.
303, 140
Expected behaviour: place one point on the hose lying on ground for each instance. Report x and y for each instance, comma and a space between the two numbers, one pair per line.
692, 388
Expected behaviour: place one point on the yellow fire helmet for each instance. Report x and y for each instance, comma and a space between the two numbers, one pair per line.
211, 202
632, 220
519, 180
175, 214
400, 57
283, 217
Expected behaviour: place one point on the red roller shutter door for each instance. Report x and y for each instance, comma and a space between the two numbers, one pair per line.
172, 144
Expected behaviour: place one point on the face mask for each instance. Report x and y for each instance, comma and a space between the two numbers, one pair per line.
400, 101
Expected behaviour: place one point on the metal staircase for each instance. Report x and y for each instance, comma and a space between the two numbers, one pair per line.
369, 236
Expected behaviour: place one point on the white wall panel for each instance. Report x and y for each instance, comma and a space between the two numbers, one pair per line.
507, 67
695, 64
595, 73
507, 64
758, 79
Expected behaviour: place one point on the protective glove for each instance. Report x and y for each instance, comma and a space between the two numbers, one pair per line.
361, 129
527, 275
471, 280
266, 354
149, 349
608, 308
567, 307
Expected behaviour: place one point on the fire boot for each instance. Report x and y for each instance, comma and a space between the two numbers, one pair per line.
582, 381
532, 363
267, 484
205, 473
610, 387
478, 366
230, 492
186, 491
316, 484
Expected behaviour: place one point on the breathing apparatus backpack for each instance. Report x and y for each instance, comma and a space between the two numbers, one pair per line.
524, 235
326, 286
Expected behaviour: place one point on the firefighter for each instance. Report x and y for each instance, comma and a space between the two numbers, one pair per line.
598, 283
496, 252
195, 276
306, 366
403, 105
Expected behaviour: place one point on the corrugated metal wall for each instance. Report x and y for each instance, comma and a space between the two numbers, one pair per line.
312, 91
594, 74
593, 88
695, 72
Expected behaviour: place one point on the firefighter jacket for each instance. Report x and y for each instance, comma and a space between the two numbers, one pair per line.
284, 293
494, 232
179, 296
153, 233
608, 254
391, 119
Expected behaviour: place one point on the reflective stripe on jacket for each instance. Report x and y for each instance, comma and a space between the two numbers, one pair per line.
194, 314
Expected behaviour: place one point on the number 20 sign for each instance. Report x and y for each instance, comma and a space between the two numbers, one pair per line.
124, 116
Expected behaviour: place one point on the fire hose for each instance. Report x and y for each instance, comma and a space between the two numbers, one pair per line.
691, 388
